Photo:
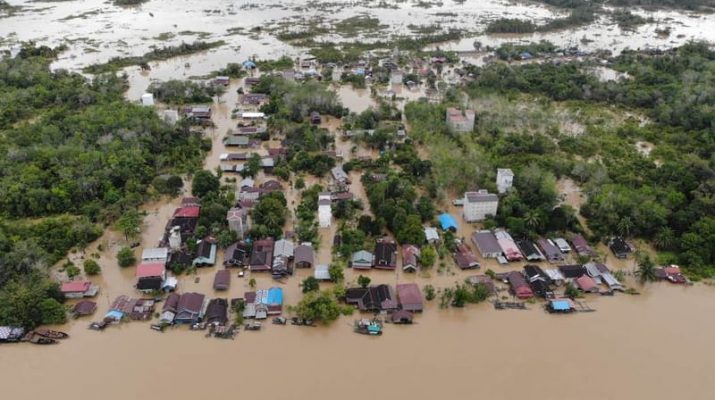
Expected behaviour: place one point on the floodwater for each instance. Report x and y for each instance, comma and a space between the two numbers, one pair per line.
650, 346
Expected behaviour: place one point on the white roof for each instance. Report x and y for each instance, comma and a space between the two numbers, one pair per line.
592, 270
505, 171
283, 248
223, 157
250, 114
170, 282
321, 273
431, 233
611, 281
554, 274
159, 253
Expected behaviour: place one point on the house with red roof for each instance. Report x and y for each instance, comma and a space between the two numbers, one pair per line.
519, 286
78, 289
586, 284
150, 276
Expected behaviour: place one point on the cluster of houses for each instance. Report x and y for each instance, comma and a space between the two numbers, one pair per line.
194, 308
279, 257
378, 298
535, 281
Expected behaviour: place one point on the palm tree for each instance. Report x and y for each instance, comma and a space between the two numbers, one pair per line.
624, 226
646, 268
532, 219
665, 239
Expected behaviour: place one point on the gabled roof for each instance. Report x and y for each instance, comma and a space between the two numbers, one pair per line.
187, 212
385, 254
75, 286
486, 242
191, 302
303, 254
146, 270
409, 296
222, 279
586, 283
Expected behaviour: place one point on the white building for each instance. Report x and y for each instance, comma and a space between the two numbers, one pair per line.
175, 238
171, 116
159, 254
459, 121
325, 212
478, 205
505, 178
147, 99
238, 221
396, 77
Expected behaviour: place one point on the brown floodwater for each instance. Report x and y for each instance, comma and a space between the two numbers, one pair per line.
654, 346
651, 346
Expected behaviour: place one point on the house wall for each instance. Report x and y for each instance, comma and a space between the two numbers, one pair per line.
479, 211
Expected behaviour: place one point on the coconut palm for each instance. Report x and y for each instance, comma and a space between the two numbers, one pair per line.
646, 269
624, 227
664, 239
532, 219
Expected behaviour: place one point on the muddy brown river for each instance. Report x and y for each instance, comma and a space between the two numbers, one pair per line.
653, 346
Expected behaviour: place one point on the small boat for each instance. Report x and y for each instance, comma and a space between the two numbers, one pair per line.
98, 326
36, 338
368, 327
49, 333
199, 326
279, 321
301, 322
253, 326
158, 327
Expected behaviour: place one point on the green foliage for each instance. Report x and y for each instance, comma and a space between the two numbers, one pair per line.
512, 51
184, 92
511, 25
363, 281
461, 295
646, 268
310, 284
252, 283
71, 270
294, 102
52, 312
30, 300
428, 255
91, 267
269, 216
158, 54
126, 257
571, 291
282, 63
430, 293
204, 183
336, 273
320, 306
129, 224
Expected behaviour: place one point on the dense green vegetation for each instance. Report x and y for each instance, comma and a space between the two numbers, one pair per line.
74, 154
665, 197
511, 25
158, 54
185, 92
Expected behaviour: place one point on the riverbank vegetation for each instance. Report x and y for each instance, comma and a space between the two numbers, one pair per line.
75, 156
158, 54
576, 126
185, 92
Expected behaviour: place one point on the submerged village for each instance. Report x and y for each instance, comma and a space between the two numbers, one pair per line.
353, 231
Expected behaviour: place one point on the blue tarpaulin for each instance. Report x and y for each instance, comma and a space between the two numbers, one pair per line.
561, 305
275, 296
248, 64
447, 222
